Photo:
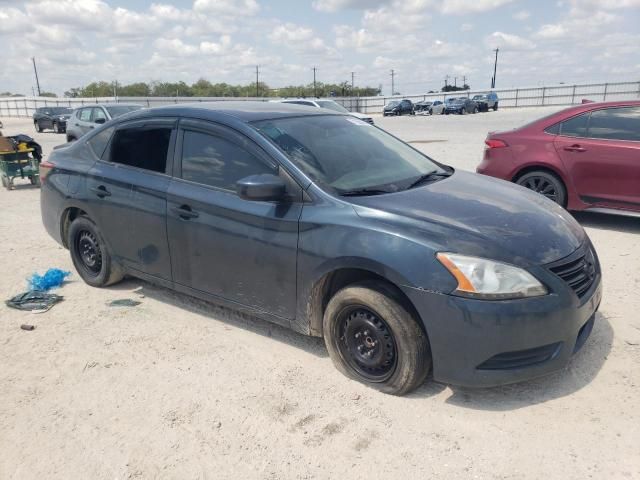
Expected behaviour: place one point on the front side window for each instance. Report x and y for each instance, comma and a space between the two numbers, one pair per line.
98, 114
141, 147
212, 160
345, 154
576, 126
615, 124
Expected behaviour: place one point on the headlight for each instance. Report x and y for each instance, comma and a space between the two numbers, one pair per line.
486, 279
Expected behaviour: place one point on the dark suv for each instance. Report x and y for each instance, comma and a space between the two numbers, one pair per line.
402, 107
486, 101
54, 118
330, 226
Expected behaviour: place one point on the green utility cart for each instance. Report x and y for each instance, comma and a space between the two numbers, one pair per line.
21, 163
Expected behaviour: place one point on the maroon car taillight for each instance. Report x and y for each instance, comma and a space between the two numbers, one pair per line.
45, 168
495, 143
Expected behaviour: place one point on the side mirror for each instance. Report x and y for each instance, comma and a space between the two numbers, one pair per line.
264, 187
100, 120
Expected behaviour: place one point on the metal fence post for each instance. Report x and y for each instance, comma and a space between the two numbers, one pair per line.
544, 90
517, 90
573, 95
604, 95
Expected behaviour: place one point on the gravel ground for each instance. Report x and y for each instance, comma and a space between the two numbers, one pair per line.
177, 388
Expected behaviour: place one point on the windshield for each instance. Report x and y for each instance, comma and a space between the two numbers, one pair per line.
480, 97
60, 110
347, 154
392, 104
331, 105
118, 110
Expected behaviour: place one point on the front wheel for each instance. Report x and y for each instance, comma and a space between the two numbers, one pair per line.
90, 254
56, 127
373, 339
38, 127
495, 107
546, 184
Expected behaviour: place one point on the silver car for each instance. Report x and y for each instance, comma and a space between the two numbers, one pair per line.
85, 119
327, 103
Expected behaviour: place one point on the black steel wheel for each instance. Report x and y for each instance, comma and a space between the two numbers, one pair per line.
546, 184
367, 343
90, 254
372, 338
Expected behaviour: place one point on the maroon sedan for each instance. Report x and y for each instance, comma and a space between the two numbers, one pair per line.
584, 157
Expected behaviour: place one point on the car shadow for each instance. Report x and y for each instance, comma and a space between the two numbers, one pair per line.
582, 369
605, 221
217, 313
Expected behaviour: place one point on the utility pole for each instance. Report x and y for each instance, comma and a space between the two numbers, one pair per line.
352, 75
115, 89
446, 80
455, 82
393, 83
314, 82
464, 80
257, 81
33, 59
495, 67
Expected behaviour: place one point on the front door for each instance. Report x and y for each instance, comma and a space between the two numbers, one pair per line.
242, 251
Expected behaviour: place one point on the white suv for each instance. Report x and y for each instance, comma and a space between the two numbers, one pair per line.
329, 104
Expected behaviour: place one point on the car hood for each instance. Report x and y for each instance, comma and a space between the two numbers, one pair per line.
476, 215
359, 115
391, 107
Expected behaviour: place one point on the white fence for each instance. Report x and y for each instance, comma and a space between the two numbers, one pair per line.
516, 97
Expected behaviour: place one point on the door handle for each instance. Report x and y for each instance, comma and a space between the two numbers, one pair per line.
101, 191
185, 212
575, 148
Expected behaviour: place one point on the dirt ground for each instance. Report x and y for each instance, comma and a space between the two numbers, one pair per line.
176, 388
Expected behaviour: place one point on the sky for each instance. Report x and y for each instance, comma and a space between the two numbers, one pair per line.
541, 42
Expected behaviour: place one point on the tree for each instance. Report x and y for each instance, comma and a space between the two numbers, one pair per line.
48, 94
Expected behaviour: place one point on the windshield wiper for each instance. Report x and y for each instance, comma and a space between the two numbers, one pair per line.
363, 192
428, 176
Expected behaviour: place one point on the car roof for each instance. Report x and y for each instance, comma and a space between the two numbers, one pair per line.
246, 111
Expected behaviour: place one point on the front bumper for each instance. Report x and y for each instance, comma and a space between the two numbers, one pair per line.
479, 343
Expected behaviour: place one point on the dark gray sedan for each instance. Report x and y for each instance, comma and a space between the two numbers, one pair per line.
330, 226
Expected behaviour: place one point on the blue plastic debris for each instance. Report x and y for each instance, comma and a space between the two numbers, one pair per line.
54, 277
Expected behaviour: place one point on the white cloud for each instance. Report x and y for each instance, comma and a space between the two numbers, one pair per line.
290, 32
466, 27
335, 5
470, 6
522, 15
508, 41
227, 7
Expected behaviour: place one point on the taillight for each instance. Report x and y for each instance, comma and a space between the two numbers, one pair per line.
495, 143
45, 168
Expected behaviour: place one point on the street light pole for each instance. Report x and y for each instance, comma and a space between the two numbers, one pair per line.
315, 94
393, 84
33, 59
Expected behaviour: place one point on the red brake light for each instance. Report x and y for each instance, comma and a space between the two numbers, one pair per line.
45, 168
495, 143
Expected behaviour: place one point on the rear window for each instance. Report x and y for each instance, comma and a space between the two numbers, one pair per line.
144, 147
116, 111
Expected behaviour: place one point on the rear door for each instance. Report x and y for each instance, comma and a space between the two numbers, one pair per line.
242, 251
601, 152
129, 190
83, 119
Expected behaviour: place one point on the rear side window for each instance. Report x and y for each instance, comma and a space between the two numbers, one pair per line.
576, 126
141, 147
217, 162
98, 114
616, 124
85, 114
100, 140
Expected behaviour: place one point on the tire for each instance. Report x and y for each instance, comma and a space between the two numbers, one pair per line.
431, 111
370, 309
90, 254
495, 107
475, 110
38, 127
56, 127
71, 138
5, 182
545, 183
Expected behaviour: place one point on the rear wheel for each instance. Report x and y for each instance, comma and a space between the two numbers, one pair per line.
475, 109
373, 339
545, 183
38, 127
495, 107
90, 254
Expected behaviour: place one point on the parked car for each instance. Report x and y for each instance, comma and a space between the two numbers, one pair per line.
395, 107
54, 118
85, 119
327, 103
422, 107
486, 101
461, 106
334, 228
583, 157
